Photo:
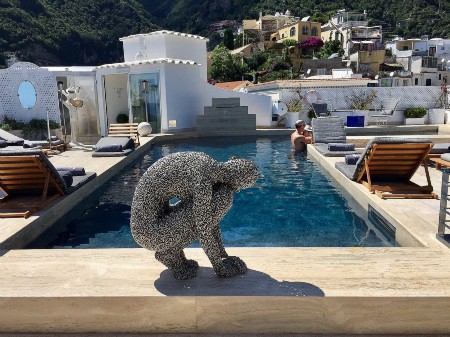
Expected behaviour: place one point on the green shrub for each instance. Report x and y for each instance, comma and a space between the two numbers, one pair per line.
418, 112
34, 129
122, 118
6, 127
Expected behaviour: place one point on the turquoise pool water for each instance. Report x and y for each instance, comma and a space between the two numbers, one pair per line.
293, 204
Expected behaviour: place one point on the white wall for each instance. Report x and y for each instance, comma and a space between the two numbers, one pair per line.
186, 48
153, 46
188, 95
416, 64
45, 85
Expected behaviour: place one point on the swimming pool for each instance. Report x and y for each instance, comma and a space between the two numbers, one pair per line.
293, 204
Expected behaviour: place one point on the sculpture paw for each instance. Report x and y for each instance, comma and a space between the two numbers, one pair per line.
232, 266
187, 271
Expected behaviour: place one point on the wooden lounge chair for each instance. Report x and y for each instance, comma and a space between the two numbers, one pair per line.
124, 130
442, 160
30, 182
387, 166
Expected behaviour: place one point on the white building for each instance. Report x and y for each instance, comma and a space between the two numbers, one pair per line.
164, 80
427, 60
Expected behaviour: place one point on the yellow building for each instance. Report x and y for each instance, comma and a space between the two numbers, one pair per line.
299, 31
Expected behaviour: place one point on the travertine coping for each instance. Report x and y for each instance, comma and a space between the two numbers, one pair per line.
355, 290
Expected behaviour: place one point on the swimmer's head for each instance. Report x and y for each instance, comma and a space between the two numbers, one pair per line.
240, 173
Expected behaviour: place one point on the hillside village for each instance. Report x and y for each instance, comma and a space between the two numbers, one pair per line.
361, 49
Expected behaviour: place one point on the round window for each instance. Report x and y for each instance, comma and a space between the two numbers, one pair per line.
27, 95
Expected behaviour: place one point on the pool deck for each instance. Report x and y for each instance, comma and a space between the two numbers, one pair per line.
400, 290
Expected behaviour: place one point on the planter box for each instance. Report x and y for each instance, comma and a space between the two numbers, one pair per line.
415, 121
436, 116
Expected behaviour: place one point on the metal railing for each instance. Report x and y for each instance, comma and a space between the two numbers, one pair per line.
444, 209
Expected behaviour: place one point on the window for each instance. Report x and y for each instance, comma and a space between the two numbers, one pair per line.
405, 83
440, 77
405, 48
428, 82
416, 81
314, 31
292, 33
304, 51
321, 71
429, 62
282, 35
432, 51
305, 30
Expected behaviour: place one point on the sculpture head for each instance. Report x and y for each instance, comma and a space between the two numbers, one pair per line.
240, 173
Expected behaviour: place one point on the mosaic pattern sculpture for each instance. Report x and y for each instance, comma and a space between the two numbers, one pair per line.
203, 189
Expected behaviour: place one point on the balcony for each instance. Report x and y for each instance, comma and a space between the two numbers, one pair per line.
397, 73
348, 24
366, 34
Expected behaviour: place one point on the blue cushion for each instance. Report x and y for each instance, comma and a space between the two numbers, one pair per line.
109, 148
67, 177
351, 159
75, 171
341, 147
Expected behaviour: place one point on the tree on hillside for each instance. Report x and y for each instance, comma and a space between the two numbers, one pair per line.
330, 47
228, 39
226, 67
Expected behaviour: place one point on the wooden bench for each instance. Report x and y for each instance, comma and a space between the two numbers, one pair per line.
124, 130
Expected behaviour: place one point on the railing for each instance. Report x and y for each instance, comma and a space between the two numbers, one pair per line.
353, 24
367, 35
443, 209
397, 73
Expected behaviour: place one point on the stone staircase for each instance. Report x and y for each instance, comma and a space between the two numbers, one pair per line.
226, 117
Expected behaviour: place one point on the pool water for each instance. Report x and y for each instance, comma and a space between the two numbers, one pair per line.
293, 204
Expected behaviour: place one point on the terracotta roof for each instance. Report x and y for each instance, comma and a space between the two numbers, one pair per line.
231, 85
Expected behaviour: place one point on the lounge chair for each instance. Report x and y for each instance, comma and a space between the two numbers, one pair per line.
125, 130
30, 182
387, 110
443, 160
329, 132
387, 165
10, 139
113, 147
320, 109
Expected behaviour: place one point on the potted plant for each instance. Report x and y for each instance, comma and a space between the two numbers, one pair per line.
361, 102
294, 103
415, 115
436, 115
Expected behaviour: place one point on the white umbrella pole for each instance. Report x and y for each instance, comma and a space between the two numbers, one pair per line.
48, 130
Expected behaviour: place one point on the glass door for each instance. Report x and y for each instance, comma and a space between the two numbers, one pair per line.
144, 99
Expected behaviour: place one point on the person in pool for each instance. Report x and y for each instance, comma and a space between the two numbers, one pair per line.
300, 137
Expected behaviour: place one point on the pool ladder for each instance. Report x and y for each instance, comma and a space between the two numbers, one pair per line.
444, 210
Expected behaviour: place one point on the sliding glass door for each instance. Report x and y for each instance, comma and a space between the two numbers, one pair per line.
144, 99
